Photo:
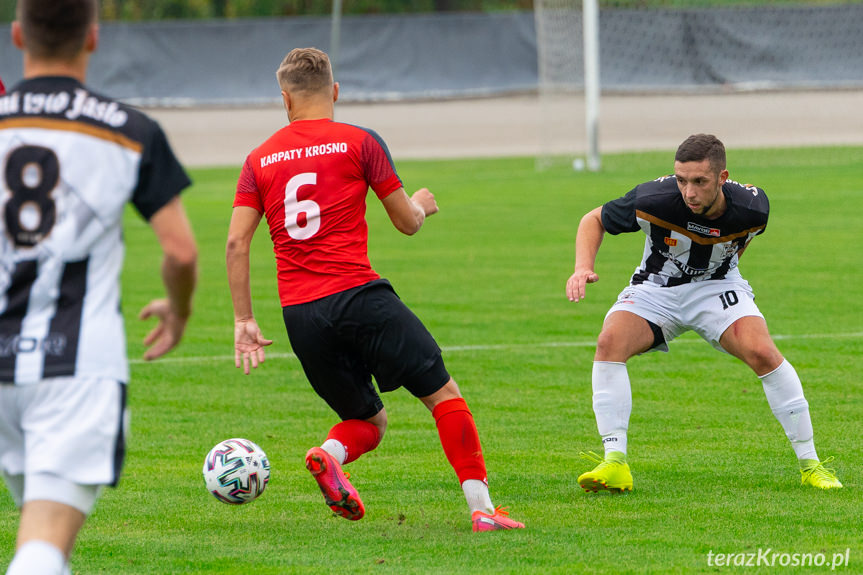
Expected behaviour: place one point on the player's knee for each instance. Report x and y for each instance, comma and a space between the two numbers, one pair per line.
762, 357
449, 391
604, 344
609, 347
380, 421
382, 428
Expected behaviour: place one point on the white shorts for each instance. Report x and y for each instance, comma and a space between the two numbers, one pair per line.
70, 428
708, 307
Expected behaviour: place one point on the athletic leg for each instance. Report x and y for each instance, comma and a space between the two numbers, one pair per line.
460, 441
749, 340
624, 334
349, 439
46, 536
339, 376
52, 522
48, 527
73, 433
346, 441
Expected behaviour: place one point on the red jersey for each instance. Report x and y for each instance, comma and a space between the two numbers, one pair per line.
310, 180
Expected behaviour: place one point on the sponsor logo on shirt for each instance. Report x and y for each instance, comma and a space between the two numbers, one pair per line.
53, 344
683, 267
670, 241
698, 228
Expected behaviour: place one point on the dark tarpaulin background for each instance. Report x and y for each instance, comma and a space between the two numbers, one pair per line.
397, 57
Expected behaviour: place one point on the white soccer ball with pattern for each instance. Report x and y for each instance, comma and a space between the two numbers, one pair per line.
236, 471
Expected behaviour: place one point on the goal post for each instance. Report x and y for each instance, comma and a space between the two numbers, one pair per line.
591, 82
335, 34
567, 33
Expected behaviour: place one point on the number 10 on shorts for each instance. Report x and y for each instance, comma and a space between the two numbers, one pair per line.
728, 299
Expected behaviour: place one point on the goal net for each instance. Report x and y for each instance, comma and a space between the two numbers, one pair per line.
680, 46
564, 125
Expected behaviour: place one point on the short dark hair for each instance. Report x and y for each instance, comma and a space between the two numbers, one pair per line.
700, 147
305, 69
56, 28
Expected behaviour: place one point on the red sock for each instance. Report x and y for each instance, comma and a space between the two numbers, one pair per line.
357, 436
459, 438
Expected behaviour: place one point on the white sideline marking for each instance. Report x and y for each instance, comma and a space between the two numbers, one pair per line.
491, 347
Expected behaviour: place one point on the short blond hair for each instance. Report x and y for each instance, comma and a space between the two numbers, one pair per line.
305, 69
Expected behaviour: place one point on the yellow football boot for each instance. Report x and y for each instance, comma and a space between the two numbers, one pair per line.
611, 474
815, 474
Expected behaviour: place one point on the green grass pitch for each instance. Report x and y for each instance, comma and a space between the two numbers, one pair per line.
713, 470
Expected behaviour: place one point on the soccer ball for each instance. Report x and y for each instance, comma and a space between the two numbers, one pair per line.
236, 471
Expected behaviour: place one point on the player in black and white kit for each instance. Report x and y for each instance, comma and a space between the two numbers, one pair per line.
71, 160
698, 223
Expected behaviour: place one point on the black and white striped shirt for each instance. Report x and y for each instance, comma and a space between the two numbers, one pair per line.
71, 160
682, 247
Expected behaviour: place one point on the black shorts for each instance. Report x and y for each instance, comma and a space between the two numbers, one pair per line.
344, 339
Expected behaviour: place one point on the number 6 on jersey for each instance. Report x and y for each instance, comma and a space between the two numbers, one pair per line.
309, 209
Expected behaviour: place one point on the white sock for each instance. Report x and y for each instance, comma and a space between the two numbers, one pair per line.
476, 493
335, 448
612, 403
37, 557
785, 396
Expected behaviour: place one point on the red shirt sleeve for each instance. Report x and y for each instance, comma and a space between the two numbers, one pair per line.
2, 87
380, 172
247, 189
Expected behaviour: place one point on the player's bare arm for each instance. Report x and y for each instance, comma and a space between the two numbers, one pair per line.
587, 241
408, 213
249, 342
179, 274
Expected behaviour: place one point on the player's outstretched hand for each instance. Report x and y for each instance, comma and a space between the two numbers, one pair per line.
249, 344
577, 282
167, 333
425, 199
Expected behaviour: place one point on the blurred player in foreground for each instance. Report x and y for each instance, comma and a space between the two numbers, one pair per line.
71, 160
345, 323
698, 223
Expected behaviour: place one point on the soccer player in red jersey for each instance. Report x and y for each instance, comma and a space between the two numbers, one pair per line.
345, 322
